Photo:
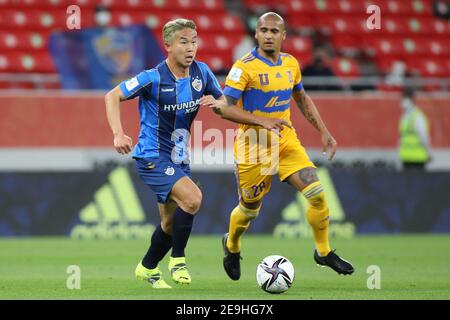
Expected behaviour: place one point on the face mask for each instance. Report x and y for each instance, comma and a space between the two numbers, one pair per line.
102, 18
407, 104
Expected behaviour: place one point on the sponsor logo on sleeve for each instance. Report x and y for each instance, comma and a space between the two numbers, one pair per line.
131, 84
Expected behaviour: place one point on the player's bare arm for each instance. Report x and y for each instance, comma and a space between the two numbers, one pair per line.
226, 107
122, 142
309, 110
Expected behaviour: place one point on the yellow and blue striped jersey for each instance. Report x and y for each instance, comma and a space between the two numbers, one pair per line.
262, 87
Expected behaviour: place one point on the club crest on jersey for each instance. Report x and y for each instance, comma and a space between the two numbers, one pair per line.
169, 171
197, 85
264, 79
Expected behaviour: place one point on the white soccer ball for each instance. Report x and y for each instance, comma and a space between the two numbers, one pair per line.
275, 274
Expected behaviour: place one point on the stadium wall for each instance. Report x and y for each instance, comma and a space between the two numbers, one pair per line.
77, 119
68, 130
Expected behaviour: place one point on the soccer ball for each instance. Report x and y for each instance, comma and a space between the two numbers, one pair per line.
275, 274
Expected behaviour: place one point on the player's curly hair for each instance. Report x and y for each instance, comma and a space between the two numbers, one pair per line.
174, 25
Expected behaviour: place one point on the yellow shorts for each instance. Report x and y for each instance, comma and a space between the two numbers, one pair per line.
253, 180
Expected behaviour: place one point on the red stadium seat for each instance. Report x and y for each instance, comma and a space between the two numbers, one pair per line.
39, 62
218, 23
436, 46
347, 24
26, 62
297, 45
12, 62
346, 42
32, 19
49, 4
428, 67
40, 19
155, 20
257, 5
396, 7
345, 67
351, 6
179, 5
5, 64
399, 46
388, 46
420, 26
206, 22
441, 27
296, 22
407, 46
215, 61
211, 5
395, 25
23, 40
13, 19
421, 7
43, 62
119, 18
304, 7
326, 7
172, 5
213, 42
8, 41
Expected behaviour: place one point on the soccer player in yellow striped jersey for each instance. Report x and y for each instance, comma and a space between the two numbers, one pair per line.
262, 82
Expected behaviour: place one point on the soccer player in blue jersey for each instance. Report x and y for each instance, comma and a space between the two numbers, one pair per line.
169, 98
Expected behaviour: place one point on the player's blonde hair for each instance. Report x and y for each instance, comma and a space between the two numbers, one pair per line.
175, 25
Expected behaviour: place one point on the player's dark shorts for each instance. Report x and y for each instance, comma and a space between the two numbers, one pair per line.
161, 175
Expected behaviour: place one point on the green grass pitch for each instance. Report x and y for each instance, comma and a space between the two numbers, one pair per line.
412, 267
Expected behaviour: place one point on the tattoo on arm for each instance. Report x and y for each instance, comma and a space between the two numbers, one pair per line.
302, 102
305, 108
231, 101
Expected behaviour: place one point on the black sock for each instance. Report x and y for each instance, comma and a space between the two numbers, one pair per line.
181, 226
160, 244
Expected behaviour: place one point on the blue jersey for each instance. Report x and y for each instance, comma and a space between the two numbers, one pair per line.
167, 108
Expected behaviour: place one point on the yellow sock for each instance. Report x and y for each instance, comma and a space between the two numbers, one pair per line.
239, 222
318, 216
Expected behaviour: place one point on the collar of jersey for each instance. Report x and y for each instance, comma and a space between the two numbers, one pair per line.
266, 61
173, 76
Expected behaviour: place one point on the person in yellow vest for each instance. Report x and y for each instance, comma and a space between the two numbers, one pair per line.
414, 146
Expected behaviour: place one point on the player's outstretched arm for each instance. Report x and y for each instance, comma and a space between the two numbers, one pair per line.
309, 110
122, 142
226, 107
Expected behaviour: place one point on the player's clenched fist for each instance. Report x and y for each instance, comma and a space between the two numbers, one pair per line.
123, 143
